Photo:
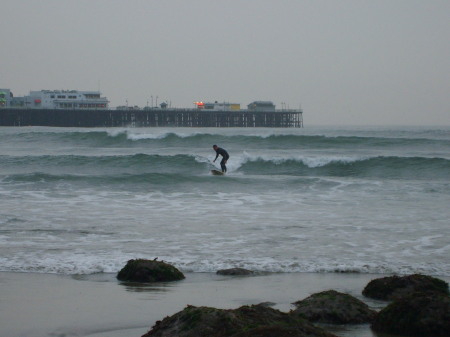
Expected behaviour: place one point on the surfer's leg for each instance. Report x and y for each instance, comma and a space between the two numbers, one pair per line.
222, 165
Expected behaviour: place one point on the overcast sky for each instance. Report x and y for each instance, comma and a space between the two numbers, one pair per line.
346, 62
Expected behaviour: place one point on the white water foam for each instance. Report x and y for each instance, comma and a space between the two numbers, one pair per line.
280, 157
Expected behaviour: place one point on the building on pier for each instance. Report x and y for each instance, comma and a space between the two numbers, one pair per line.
261, 106
55, 99
216, 106
6, 96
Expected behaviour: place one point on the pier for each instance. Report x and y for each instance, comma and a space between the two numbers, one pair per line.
156, 117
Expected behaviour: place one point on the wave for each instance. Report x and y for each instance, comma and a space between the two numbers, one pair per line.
135, 161
95, 180
159, 137
185, 166
266, 141
375, 167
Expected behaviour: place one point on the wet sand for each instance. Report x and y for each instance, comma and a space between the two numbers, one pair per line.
98, 305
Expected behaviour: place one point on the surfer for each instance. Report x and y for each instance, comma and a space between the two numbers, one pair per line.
224, 155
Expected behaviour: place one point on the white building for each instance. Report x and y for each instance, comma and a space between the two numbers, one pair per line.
65, 99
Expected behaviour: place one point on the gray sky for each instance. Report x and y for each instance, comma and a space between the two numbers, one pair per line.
346, 62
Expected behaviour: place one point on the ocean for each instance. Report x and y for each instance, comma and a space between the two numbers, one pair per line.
317, 199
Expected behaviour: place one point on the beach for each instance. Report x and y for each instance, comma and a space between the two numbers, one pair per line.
42, 305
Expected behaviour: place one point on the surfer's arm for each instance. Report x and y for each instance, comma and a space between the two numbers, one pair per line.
217, 154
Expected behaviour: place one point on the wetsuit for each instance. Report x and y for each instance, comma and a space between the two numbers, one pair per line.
225, 157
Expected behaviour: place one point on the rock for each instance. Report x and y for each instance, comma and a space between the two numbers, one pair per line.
389, 288
335, 308
245, 321
267, 304
142, 270
235, 272
419, 314
276, 331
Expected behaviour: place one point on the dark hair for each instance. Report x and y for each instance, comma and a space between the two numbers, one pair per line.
214, 145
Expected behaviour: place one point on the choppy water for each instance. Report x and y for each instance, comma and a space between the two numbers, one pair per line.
83, 201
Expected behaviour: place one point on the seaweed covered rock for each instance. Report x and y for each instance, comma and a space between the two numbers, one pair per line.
335, 308
245, 321
142, 270
389, 288
235, 272
419, 314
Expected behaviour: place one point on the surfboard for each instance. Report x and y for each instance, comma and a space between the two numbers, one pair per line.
217, 173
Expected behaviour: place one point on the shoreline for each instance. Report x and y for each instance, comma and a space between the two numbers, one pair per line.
98, 305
